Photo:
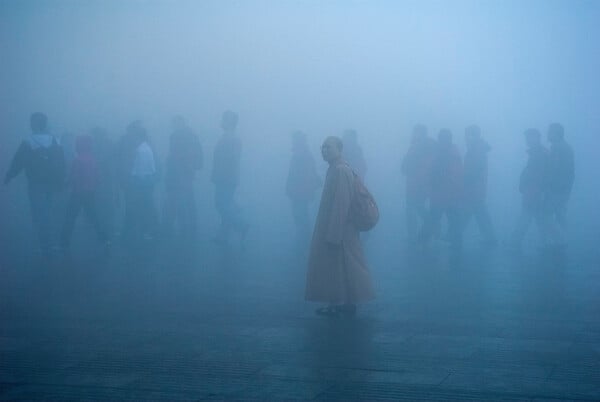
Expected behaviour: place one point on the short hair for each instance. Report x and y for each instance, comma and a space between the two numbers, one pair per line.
38, 121
337, 141
557, 129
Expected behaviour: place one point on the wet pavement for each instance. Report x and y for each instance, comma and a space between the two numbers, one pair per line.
198, 322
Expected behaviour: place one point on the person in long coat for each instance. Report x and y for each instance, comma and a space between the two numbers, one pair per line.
337, 269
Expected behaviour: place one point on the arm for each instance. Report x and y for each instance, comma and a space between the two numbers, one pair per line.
18, 163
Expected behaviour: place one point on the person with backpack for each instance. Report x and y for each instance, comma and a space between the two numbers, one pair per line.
42, 158
338, 273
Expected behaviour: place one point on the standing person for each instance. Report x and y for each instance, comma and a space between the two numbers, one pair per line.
533, 185
561, 175
446, 190
226, 177
353, 153
43, 160
475, 183
302, 183
140, 213
83, 177
185, 158
416, 166
337, 269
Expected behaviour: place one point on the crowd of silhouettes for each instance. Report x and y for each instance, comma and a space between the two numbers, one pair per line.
440, 183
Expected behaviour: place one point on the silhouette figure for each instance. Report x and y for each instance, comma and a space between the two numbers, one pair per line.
302, 184
140, 213
446, 190
475, 183
416, 166
42, 158
226, 177
84, 185
533, 186
184, 160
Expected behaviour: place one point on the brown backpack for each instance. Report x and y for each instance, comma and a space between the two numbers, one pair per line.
363, 208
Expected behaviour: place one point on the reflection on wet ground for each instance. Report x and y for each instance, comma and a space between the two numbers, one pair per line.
200, 322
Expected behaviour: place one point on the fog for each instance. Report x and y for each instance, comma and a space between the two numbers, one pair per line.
321, 67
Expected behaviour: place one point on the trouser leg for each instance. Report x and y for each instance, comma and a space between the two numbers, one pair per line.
73, 208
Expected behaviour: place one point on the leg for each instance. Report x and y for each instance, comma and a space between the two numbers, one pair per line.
484, 222
89, 206
73, 208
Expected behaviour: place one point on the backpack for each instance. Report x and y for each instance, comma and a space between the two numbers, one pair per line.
363, 208
47, 165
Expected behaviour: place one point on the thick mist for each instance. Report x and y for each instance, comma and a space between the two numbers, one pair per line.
377, 67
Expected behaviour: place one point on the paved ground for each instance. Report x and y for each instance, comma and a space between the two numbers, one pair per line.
170, 322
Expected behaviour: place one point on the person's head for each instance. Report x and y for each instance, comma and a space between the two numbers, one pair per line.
472, 134
419, 134
556, 133
84, 144
137, 132
178, 123
229, 121
445, 137
350, 136
332, 149
532, 137
38, 122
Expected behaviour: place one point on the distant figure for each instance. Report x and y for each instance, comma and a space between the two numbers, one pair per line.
105, 153
337, 270
475, 183
446, 190
416, 166
43, 160
353, 153
533, 186
140, 212
226, 177
83, 179
302, 184
185, 158
561, 174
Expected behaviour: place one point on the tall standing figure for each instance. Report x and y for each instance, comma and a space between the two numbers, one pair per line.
475, 183
533, 185
446, 191
302, 184
416, 166
184, 160
140, 212
337, 269
42, 158
226, 178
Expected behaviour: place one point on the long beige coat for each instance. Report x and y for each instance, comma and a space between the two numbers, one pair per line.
337, 269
